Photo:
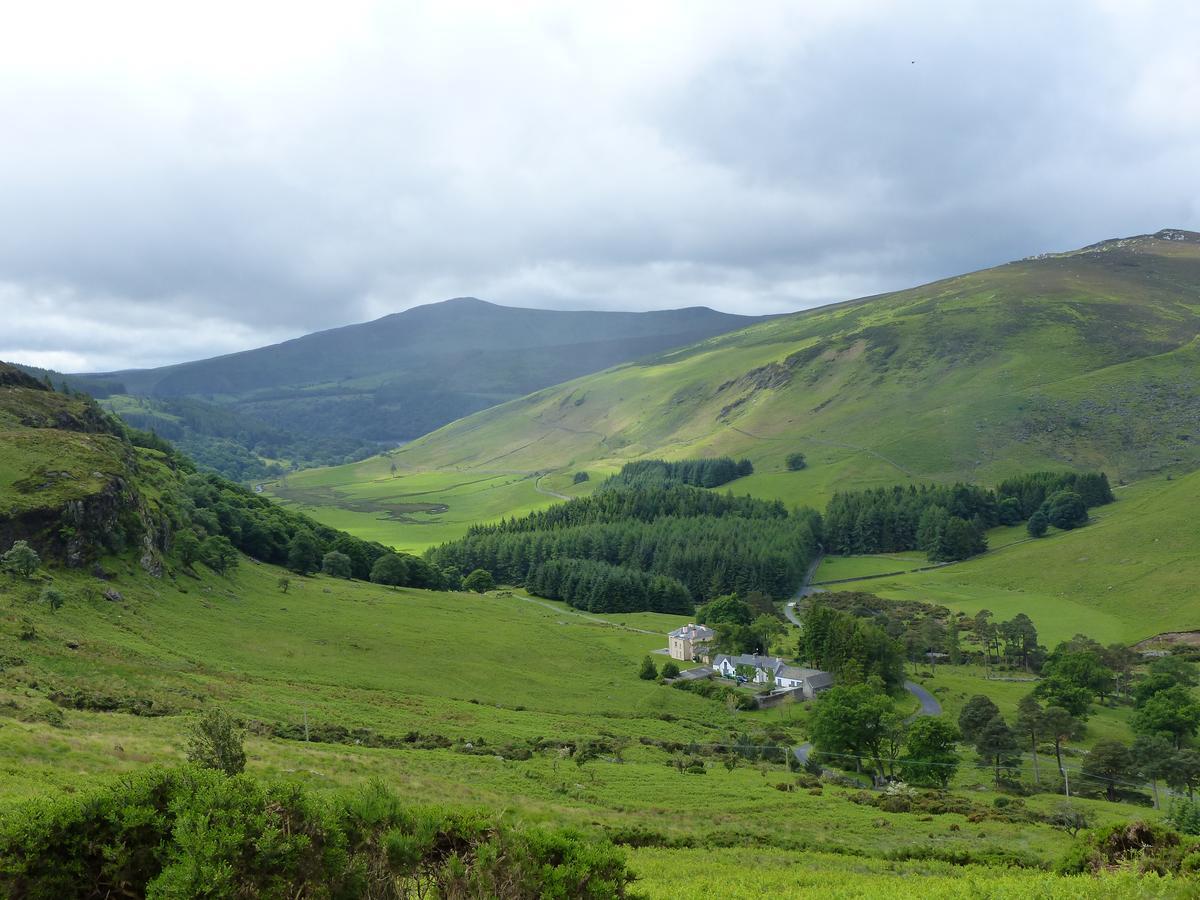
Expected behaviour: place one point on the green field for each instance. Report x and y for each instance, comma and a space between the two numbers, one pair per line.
752, 874
485, 672
410, 510
837, 568
488, 670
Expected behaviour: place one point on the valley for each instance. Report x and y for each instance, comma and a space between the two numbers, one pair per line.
478, 619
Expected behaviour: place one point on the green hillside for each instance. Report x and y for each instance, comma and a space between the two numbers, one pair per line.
1128, 575
344, 393
1084, 359
505, 702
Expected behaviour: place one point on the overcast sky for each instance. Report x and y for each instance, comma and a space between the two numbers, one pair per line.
180, 183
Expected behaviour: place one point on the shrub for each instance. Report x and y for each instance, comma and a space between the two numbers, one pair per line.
580, 478
648, 671
1146, 846
796, 462
1037, 524
191, 832
53, 598
670, 670
479, 581
21, 559
1185, 815
215, 742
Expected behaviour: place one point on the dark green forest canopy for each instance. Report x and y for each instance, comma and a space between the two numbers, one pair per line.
709, 543
709, 473
947, 522
170, 510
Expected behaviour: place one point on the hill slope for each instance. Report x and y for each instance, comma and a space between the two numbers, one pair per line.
69, 484
1082, 359
327, 395
1128, 575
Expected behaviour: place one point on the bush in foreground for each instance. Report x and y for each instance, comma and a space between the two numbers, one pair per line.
192, 832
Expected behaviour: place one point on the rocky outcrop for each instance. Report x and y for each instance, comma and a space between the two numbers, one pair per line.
82, 530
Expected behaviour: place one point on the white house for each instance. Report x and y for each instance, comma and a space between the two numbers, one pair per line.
809, 682
690, 642
764, 666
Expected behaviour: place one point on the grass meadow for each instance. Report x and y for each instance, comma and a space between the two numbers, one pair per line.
486, 672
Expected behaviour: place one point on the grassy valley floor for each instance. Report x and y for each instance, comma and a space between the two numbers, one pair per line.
485, 674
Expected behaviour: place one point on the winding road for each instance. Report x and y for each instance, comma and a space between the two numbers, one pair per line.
537, 486
929, 703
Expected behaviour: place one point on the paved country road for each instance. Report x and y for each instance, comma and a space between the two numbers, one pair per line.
929, 703
789, 609
537, 486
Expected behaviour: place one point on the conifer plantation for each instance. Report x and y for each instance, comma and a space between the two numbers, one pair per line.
649, 548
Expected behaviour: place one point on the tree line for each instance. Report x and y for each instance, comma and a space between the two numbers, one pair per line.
709, 473
600, 587
1074, 677
709, 543
948, 522
214, 518
850, 647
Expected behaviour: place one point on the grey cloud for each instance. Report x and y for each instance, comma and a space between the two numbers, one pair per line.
185, 188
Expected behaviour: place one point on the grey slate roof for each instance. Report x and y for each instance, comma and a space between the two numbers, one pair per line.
693, 632
798, 673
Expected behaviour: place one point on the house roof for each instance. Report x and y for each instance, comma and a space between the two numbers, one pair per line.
770, 663
693, 632
820, 680
798, 673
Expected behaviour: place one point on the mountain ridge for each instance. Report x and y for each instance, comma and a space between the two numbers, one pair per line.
1080, 359
345, 392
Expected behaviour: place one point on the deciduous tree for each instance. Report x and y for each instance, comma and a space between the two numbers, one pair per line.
929, 752
480, 581
21, 559
304, 553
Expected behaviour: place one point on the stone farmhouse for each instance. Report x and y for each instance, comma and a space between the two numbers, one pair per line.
806, 682
690, 642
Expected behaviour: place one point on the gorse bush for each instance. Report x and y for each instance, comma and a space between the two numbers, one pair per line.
196, 833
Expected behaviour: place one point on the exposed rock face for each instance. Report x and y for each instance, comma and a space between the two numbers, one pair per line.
61, 510
84, 529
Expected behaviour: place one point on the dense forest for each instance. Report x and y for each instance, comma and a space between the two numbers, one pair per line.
707, 473
235, 444
211, 518
949, 522
708, 543
850, 647
600, 587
